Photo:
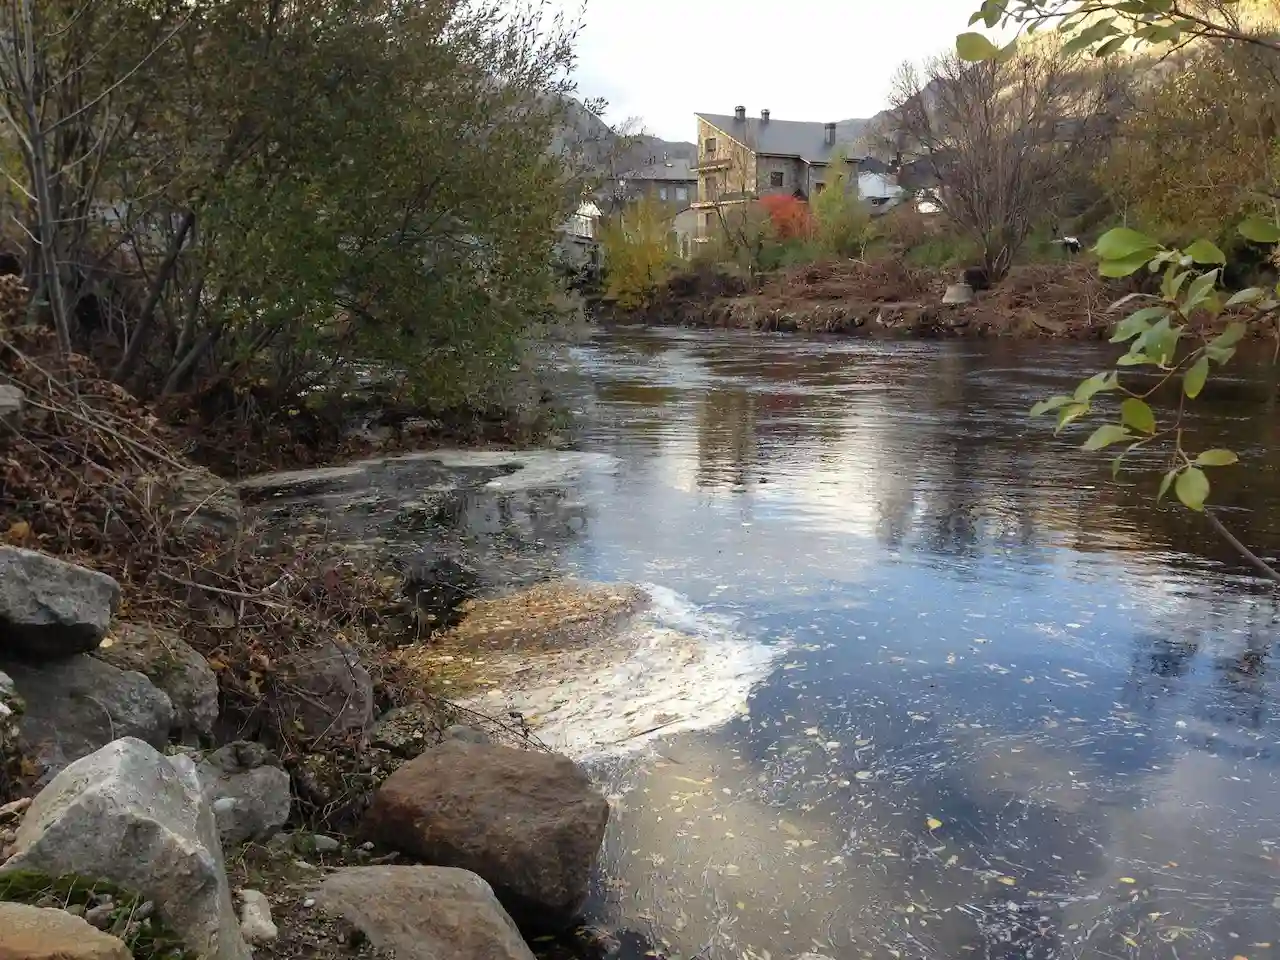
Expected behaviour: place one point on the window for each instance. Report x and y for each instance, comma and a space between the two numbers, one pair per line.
819, 186
709, 146
775, 178
682, 194
662, 193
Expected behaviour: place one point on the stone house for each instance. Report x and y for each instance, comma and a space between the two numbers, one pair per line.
743, 158
669, 181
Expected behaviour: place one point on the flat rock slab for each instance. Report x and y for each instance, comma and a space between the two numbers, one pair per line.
35, 933
424, 913
129, 815
77, 705
51, 609
529, 823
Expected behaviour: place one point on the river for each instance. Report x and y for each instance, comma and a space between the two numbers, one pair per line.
1010, 709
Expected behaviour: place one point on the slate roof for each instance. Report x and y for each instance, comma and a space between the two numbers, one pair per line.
780, 138
677, 169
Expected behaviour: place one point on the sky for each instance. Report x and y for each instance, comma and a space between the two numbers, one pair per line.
820, 60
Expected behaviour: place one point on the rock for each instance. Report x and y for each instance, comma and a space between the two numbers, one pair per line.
958, 293
199, 504
100, 916
406, 731
36, 933
51, 609
424, 913
813, 956
11, 711
255, 918
169, 663
77, 705
529, 823
250, 797
325, 691
128, 815
466, 734
325, 844
11, 404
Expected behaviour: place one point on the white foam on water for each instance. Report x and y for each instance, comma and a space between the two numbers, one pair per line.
671, 668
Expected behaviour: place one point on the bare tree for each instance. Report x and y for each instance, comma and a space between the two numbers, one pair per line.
995, 140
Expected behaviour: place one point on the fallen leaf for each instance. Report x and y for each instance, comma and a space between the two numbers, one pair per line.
933, 823
1007, 881
1128, 880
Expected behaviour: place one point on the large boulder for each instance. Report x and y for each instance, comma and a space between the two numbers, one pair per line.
128, 815
325, 691
169, 663
424, 913
51, 609
77, 705
199, 506
35, 933
249, 794
529, 823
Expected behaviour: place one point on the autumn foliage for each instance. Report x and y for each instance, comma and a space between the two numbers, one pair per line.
792, 219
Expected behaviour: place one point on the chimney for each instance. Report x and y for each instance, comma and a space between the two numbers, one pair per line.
764, 116
829, 134
739, 113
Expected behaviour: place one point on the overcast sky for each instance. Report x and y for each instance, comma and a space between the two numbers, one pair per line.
824, 60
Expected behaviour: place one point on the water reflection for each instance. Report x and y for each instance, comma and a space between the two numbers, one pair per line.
1023, 713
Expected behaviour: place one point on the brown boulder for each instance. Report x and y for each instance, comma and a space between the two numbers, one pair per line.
35, 933
529, 823
424, 913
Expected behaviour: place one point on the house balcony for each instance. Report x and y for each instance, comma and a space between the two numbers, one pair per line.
712, 163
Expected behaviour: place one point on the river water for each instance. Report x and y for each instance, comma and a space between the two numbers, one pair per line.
996, 705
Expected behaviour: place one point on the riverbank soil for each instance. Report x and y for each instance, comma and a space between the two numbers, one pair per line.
891, 298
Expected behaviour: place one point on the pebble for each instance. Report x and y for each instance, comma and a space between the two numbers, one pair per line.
309, 902
326, 844
75, 909
303, 865
100, 916
367, 846
256, 925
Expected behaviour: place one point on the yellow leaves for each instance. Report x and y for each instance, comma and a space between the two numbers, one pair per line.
18, 532
1129, 880
1007, 881
933, 823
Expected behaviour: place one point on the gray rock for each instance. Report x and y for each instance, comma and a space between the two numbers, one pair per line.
11, 404
36, 933
256, 925
466, 734
199, 504
424, 913
11, 710
51, 609
325, 691
100, 916
406, 731
250, 797
169, 663
77, 705
958, 293
325, 844
128, 815
529, 823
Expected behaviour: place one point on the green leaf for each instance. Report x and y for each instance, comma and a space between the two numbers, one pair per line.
1260, 230
1229, 337
1069, 414
1160, 343
1192, 488
1165, 483
1247, 295
1218, 457
975, 47
1126, 266
1110, 47
1137, 322
1205, 251
1053, 403
1193, 380
1119, 243
1199, 290
1173, 281
1137, 414
1104, 436
1096, 384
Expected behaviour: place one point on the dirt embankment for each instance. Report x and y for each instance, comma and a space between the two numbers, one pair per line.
889, 298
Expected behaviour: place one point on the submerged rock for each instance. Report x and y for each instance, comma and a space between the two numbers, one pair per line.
424, 913
128, 815
529, 823
76, 706
250, 795
169, 663
46, 933
51, 609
